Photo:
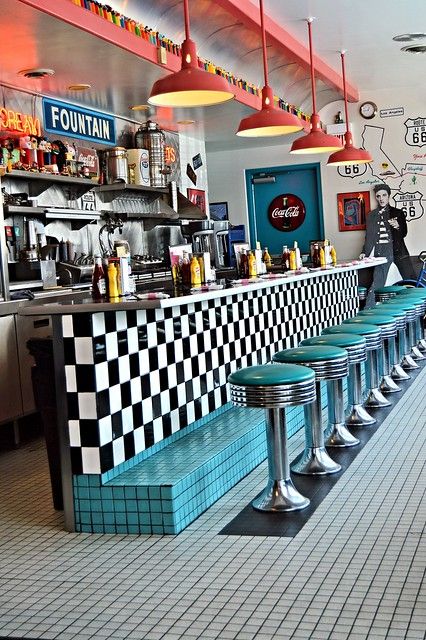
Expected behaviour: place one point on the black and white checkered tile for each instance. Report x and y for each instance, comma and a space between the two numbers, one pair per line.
134, 378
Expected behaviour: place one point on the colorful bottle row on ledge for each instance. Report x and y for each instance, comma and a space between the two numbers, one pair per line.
159, 40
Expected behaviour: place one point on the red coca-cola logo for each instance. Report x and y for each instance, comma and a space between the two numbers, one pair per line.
286, 212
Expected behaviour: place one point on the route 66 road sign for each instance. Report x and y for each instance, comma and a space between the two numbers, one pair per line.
410, 204
416, 132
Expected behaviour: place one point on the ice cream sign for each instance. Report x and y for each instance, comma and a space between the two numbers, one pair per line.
77, 122
19, 124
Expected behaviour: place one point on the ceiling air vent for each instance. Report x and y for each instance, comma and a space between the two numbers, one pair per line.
409, 37
415, 48
36, 73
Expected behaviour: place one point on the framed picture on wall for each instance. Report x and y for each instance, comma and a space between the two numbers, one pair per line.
352, 209
218, 210
198, 197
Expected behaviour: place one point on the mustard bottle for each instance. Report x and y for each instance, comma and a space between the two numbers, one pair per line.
292, 260
333, 255
112, 281
252, 265
267, 257
195, 272
322, 257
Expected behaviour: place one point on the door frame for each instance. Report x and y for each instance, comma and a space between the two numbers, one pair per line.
250, 173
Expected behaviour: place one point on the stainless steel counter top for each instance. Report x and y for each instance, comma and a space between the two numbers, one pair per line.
84, 304
44, 298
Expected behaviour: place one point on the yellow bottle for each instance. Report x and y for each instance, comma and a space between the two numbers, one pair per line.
292, 259
112, 281
267, 258
195, 272
322, 257
333, 255
252, 265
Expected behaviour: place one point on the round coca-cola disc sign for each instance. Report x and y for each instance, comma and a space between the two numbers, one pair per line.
286, 212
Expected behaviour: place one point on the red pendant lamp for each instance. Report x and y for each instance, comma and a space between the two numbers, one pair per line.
270, 120
316, 141
191, 86
349, 154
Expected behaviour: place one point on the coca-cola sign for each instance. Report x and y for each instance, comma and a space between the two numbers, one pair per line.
286, 212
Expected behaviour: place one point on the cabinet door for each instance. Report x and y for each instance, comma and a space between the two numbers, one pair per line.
10, 390
29, 327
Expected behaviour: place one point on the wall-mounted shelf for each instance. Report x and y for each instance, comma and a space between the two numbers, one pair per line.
52, 213
39, 182
124, 186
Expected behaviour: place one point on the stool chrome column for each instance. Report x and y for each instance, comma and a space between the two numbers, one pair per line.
356, 415
329, 363
274, 388
372, 335
388, 325
402, 362
374, 397
397, 312
412, 296
387, 293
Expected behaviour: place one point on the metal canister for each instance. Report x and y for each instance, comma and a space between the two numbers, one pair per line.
116, 165
150, 137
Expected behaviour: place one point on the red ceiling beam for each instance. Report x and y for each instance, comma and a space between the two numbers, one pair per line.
248, 13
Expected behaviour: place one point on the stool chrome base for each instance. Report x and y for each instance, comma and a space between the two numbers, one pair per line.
398, 373
387, 385
421, 344
315, 461
375, 399
280, 495
417, 354
408, 363
359, 417
337, 435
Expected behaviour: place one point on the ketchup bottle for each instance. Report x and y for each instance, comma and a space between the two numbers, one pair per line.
98, 280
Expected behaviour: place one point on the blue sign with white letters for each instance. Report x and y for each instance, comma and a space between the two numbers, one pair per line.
77, 122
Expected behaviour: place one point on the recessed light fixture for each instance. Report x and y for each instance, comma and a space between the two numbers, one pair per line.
185, 121
414, 48
79, 87
409, 37
36, 73
139, 107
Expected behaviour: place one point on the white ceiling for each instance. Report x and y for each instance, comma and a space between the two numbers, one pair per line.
119, 78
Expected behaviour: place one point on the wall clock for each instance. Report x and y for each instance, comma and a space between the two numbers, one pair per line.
368, 110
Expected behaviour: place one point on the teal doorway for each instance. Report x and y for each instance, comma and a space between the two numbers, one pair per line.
267, 184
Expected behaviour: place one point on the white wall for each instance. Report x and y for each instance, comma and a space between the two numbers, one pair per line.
384, 138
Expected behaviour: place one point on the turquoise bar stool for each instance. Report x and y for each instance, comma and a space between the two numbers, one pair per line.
417, 297
386, 293
403, 359
362, 296
274, 388
417, 292
329, 363
388, 325
400, 316
356, 415
374, 397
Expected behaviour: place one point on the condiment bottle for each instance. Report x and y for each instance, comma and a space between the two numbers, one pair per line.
316, 256
298, 256
333, 255
292, 259
195, 272
285, 258
244, 268
267, 258
112, 281
322, 257
185, 269
98, 280
252, 271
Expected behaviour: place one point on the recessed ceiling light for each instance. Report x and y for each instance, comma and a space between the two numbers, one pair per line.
185, 121
36, 73
414, 48
79, 87
409, 37
140, 107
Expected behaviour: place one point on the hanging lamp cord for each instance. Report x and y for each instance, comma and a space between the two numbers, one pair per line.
311, 58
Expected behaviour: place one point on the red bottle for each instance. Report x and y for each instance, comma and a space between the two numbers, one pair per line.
98, 280
244, 265
285, 258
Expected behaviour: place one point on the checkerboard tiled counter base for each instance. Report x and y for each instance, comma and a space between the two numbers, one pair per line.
143, 399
